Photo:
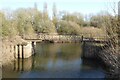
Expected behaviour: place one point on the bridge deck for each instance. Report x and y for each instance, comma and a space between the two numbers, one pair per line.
57, 38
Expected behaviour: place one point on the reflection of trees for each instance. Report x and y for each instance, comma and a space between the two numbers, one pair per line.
71, 51
65, 51
48, 53
47, 57
45, 53
39, 63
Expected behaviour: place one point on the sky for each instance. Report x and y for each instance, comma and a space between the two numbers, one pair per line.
82, 6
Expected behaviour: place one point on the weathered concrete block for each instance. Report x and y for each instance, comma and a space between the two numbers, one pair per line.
7, 53
16, 51
20, 50
27, 50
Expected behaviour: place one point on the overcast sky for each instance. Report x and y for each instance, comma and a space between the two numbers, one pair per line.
82, 6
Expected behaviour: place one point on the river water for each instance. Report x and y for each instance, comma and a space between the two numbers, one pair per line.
54, 60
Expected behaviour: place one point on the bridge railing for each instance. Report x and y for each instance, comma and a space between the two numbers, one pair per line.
45, 36
70, 37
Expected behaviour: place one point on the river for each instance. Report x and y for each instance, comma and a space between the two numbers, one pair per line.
54, 60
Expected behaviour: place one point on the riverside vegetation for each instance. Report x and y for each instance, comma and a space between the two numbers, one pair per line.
31, 21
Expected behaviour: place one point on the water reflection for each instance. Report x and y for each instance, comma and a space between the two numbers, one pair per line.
54, 61
23, 64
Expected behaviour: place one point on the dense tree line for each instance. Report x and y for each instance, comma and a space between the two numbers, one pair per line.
32, 21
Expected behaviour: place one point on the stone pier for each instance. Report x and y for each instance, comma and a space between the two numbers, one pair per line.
23, 50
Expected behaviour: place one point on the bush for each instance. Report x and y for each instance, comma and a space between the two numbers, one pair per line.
68, 27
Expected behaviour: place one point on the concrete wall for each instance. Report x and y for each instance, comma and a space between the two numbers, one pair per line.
23, 51
13, 51
90, 50
27, 50
7, 53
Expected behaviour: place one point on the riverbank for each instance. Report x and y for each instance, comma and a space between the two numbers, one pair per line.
8, 48
110, 60
17, 47
107, 57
